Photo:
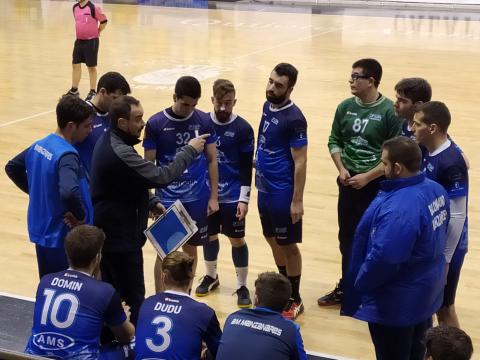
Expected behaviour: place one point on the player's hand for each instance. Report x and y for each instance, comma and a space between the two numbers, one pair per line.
343, 176
242, 210
199, 142
212, 206
296, 211
71, 221
157, 210
358, 181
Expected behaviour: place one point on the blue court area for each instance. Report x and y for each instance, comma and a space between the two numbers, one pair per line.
15, 327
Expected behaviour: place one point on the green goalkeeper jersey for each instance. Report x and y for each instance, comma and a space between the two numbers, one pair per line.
359, 130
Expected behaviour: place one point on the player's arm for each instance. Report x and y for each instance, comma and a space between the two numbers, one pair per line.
150, 155
245, 163
335, 146
458, 215
16, 170
213, 335
360, 180
300, 353
123, 333
299, 156
69, 189
117, 321
211, 155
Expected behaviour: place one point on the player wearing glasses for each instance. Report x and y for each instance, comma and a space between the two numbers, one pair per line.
361, 124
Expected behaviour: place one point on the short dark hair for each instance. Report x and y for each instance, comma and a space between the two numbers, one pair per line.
113, 81
448, 343
436, 112
222, 87
415, 89
72, 108
121, 108
371, 68
179, 266
273, 290
405, 151
188, 86
288, 70
82, 244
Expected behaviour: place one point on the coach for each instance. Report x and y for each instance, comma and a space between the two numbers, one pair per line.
397, 272
120, 179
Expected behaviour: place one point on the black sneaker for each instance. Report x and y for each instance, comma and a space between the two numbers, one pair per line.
207, 284
91, 94
244, 300
72, 92
334, 297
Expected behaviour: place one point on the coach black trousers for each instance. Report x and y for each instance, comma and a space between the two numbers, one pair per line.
352, 203
124, 270
399, 342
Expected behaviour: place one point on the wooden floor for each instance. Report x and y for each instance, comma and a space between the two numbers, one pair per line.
152, 46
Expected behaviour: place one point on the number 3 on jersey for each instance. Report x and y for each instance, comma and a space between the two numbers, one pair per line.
164, 325
52, 305
359, 125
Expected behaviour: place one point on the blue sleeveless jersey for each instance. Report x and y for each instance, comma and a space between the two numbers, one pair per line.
280, 130
172, 325
70, 310
45, 209
167, 135
448, 168
100, 124
233, 138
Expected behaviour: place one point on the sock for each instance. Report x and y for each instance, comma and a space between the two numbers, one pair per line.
93, 90
295, 281
240, 260
210, 255
282, 269
73, 89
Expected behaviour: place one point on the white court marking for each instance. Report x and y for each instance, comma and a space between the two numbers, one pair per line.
25, 118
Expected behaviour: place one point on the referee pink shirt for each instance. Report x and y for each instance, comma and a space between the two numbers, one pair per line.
86, 26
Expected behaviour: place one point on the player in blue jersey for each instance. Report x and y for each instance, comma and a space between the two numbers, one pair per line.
71, 306
281, 168
234, 156
165, 133
51, 173
263, 333
110, 86
171, 324
444, 163
410, 94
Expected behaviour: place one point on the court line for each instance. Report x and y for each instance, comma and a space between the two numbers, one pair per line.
25, 118
14, 296
234, 60
315, 353
320, 354
301, 39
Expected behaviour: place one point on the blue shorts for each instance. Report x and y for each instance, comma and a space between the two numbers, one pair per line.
453, 277
274, 210
225, 221
198, 212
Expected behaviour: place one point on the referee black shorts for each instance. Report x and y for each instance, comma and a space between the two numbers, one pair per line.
85, 51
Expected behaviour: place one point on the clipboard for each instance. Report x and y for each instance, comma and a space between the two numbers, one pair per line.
171, 230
